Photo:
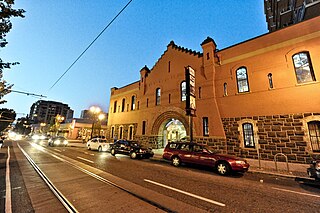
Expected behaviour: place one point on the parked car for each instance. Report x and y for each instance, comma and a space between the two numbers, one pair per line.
314, 169
58, 141
192, 153
131, 148
99, 144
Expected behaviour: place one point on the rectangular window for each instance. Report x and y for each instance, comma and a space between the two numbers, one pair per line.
144, 123
169, 98
205, 126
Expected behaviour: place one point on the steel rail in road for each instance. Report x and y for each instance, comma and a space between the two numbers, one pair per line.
110, 183
55, 155
69, 207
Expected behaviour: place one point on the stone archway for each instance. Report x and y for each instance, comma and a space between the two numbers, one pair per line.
162, 123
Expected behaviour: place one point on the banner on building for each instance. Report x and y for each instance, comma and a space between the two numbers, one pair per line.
190, 91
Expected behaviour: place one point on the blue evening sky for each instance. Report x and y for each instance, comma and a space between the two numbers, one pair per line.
55, 32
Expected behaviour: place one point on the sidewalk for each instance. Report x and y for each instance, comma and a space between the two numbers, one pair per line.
266, 167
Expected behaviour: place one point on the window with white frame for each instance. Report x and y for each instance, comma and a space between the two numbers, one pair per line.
248, 135
303, 67
183, 89
242, 80
158, 96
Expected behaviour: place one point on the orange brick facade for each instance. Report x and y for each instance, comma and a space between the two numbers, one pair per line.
257, 98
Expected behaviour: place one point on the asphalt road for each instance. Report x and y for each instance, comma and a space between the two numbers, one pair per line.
99, 182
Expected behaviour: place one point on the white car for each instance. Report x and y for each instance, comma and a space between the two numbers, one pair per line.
98, 144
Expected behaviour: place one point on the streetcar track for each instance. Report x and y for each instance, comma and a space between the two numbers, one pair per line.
67, 204
144, 199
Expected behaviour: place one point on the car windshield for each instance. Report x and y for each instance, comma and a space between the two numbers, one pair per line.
135, 144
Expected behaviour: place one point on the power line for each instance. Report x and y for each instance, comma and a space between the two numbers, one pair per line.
90, 44
28, 93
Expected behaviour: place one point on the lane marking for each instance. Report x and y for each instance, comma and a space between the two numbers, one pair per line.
8, 185
57, 150
89, 153
300, 193
186, 193
90, 161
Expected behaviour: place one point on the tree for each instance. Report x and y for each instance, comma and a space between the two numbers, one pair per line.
23, 126
7, 116
6, 13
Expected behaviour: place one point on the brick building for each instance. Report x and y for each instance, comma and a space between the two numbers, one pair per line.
260, 97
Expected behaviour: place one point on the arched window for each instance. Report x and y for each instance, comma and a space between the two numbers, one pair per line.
115, 107
270, 81
303, 67
248, 135
131, 133
133, 102
183, 88
158, 96
123, 105
242, 80
314, 133
120, 132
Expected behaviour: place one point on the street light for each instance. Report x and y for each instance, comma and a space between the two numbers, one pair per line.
58, 120
96, 116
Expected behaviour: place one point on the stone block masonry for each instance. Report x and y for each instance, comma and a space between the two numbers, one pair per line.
287, 134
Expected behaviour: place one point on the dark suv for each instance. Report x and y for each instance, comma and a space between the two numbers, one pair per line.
131, 148
193, 153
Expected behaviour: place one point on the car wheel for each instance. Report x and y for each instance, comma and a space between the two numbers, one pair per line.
113, 152
176, 161
100, 149
223, 168
133, 155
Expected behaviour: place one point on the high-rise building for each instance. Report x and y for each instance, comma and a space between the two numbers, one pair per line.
282, 13
44, 111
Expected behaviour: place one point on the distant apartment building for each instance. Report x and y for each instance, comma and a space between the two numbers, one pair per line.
282, 13
45, 111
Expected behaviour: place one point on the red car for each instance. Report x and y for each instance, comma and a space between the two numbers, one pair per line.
193, 153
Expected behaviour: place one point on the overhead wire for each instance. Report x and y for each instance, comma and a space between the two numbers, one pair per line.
106, 27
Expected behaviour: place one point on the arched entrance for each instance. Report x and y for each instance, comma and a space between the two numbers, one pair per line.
170, 126
173, 130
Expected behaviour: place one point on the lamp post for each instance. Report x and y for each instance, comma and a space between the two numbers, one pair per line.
95, 111
58, 120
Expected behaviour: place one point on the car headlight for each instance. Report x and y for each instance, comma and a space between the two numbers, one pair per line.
65, 142
57, 142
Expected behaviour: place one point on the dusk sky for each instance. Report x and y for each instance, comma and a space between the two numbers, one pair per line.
54, 33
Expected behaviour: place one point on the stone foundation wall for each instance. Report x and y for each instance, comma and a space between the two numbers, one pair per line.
276, 134
125, 131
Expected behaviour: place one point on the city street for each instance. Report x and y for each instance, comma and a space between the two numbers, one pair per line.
99, 182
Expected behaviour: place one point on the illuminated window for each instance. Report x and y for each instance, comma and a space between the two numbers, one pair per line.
314, 133
183, 91
248, 135
303, 67
158, 96
205, 126
242, 80
133, 102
